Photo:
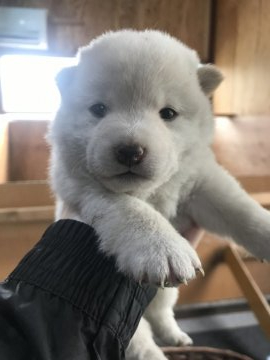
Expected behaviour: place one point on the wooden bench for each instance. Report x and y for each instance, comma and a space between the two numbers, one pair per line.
27, 209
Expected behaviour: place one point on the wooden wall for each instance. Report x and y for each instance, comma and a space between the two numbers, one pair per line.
242, 51
232, 33
4, 151
242, 145
28, 150
73, 23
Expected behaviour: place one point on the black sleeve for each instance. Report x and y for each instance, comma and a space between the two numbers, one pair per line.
67, 301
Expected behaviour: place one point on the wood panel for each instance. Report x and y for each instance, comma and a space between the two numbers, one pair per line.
16, 239
3, 151
256, 184
24, 194
28, 150
26, 210
242, 51
242, 145
187, 20
26, 214
73, 23
262, 198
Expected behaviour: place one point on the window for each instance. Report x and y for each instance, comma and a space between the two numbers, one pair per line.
28, 82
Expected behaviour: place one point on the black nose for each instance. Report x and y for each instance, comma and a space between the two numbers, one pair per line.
129, 154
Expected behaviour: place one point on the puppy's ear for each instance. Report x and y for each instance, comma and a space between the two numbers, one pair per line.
209, 78
64, 79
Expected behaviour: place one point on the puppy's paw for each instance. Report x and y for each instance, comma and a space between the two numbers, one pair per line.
162, 260
176, 338
184, 340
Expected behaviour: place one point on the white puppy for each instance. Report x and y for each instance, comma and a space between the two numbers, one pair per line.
131, 156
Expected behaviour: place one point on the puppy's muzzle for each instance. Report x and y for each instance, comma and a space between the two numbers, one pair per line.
129, 155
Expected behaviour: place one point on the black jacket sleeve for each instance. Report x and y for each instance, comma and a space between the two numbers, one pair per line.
67, 301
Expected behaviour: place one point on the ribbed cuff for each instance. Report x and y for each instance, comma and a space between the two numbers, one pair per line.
67, 263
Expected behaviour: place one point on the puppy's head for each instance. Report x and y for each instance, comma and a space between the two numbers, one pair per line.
134, 106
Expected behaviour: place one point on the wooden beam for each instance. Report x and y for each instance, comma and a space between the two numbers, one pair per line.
249, 287
242, 52
16, 238
262, 198
255, 184
28, 150
188, 20
34, 213
27, 193
4, 153
242, 145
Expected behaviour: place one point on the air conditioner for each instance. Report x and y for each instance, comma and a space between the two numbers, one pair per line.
23, 28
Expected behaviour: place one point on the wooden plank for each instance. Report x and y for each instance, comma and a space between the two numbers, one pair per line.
3, 150
26, 3
242, 51
68, 10
28, 193
65, 39
29, 152
252, 292
255, 184
262, 198
188, 20
16, 240
73, 23
24, 214
242, 145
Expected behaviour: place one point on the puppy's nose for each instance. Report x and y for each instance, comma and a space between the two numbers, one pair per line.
129, 154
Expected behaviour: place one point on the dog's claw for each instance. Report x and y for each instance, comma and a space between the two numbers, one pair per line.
182, 280
201, 271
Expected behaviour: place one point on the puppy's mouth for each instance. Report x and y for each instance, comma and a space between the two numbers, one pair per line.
129, 175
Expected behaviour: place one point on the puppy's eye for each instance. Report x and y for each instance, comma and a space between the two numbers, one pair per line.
98, 110
168, 114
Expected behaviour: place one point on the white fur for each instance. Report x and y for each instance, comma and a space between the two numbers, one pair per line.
139, 218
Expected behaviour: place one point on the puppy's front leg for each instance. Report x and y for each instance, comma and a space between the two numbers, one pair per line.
220, 205
144, 243
160, 315
142, 345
